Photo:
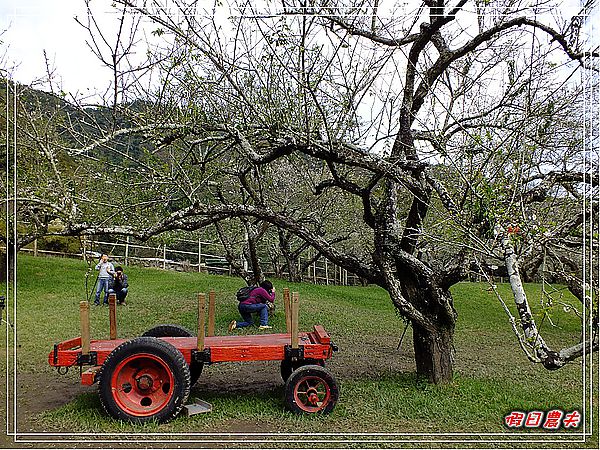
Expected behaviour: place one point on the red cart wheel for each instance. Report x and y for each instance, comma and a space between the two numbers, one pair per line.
145, 379
288, 366
311, 389
172, 330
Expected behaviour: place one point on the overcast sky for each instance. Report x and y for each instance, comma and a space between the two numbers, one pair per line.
32, 26
29, 27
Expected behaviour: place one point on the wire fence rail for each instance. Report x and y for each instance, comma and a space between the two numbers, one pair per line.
208, 258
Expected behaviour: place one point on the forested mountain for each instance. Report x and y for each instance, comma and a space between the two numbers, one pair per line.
78, 125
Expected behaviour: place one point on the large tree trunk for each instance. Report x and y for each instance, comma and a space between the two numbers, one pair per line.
3, 267
7, 269
431, 312
434, 353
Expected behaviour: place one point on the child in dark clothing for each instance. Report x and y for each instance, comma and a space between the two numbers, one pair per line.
119, 285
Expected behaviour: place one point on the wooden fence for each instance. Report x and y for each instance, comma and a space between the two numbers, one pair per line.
128, 253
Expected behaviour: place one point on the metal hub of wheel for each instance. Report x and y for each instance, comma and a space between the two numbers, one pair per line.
313, 397
142, 384
312, 394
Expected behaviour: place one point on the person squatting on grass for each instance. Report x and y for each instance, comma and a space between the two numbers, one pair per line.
104, 276
118, 285
256, 303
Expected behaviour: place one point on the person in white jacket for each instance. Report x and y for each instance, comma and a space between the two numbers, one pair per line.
106, 273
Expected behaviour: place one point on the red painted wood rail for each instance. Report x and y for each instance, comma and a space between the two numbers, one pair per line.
265, 347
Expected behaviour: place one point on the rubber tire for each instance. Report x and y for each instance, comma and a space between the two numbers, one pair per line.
172, 330
169, 330
288, 366
311, 370
157, 347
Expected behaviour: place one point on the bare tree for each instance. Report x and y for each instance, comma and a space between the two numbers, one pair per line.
429, 124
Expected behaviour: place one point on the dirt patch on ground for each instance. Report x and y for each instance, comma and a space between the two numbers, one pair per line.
238, 378
37, 393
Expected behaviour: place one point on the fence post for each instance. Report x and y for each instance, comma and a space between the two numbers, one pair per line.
164, 256
83, 250
35, 247
199, 255
127, 252
315, 271
326, 273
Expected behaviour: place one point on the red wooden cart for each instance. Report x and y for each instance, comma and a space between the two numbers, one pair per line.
149, 378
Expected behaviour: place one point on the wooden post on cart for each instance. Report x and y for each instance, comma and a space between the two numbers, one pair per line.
211, 313
112, 314
201, 306
84, 318
286, 308
294, 324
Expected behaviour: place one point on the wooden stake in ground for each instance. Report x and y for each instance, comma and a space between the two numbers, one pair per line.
201, 306
211, 313
294, 324
286, 308
112, 314
84, 318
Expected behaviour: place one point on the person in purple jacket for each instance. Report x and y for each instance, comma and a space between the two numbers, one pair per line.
256, 303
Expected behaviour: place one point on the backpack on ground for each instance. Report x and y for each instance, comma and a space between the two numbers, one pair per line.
244, 293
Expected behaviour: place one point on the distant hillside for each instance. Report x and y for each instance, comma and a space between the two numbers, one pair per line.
79, 126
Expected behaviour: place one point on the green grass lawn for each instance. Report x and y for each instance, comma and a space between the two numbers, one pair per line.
378, 389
